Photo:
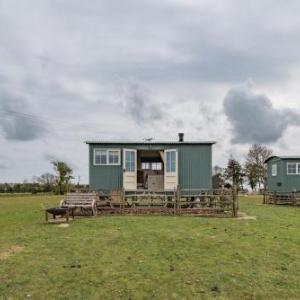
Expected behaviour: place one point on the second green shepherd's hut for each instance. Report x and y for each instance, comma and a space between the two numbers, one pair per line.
283, 173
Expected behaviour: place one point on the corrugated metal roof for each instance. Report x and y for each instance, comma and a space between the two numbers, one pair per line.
282, 157
152, 142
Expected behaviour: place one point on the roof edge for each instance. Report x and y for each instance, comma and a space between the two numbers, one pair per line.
152, 143
270, 157
282, 157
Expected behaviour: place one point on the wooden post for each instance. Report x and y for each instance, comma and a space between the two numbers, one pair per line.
178, 203
122, 201
234, 201
175, 202
294, 198
46, 215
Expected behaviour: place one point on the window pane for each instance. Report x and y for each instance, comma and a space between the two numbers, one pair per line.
173, 166
103, 157
100, 157
171, 161
97, 159
145, 166
168, 161
130, 161
113, 157
274, 170
127, 156
292, 168
156, 166
173, 156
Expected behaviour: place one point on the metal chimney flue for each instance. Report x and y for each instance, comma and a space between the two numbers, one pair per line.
181, 136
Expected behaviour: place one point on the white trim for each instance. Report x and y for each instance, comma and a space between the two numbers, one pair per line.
297, 168
119, 157
274, 169
129, 177
107, 156
135, 160
170, 178
176, 161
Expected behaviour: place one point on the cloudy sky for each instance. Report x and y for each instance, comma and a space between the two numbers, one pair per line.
73, 70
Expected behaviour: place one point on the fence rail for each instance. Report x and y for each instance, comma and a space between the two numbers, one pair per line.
176, 202
281, 198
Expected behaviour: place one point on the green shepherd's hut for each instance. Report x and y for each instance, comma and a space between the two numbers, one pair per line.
150, 165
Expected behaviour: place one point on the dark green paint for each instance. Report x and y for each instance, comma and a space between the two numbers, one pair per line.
282, 182
194, 163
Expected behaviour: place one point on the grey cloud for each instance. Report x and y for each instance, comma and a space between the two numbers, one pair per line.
68, 65
140, 106
50, 157
182, 46
254, 119
17, 121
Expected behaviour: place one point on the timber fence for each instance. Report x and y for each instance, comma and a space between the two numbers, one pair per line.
282, 198
177, 202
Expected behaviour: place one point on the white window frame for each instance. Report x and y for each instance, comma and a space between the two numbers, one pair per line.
156, 164
148, 164
176, 162
274, 169
107, 156
297, 168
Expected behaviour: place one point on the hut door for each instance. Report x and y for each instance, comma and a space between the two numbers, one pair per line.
171, 169
129, 169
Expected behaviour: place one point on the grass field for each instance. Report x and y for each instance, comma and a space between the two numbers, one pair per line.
149, 257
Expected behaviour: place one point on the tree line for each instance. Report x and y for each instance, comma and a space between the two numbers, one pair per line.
58, 183
253, 172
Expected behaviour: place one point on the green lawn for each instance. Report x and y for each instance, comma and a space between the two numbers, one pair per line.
149, 257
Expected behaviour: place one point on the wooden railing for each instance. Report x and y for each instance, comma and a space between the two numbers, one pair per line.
282, 198
176, 202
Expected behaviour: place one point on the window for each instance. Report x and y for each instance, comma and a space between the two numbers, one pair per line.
152, 166
156, 166
274, 170
146, 166
113, 157
171, 161
106, 157
100, 157
293, 168
129, 161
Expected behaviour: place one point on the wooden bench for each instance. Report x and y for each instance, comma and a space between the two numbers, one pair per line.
82, 201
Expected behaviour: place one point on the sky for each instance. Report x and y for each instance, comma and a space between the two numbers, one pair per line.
74, 70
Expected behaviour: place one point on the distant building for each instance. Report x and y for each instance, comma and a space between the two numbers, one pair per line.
150, 165
283, 173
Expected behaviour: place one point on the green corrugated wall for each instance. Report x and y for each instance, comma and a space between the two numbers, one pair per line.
194, 163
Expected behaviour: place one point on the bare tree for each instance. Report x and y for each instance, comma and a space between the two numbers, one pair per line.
255, 160
47, 180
